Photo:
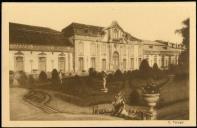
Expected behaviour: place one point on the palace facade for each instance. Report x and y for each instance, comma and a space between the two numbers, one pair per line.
79, 47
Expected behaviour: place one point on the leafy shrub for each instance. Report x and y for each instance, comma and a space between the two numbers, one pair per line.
92, 72
134, 98
11, 72
118, 75
42, 76
11, 77
31, 80
55, 77
99, 75
155, 67
172, 68
109, 77
129, 73
22, 78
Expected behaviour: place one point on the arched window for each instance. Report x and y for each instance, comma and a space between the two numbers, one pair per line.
116, 60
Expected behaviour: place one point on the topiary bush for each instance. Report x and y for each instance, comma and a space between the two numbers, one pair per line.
22, 78
42, 76
118, 75
145, 70
31, 80
156, 71
55, 79
92, 72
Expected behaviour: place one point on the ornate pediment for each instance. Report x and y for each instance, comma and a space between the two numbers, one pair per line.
115, 33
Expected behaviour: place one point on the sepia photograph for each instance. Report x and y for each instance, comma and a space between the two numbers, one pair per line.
94, 62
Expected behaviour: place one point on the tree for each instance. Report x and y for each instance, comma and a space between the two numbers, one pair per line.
184, 56
185, 32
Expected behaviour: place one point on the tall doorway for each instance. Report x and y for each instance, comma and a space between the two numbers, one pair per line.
116, 61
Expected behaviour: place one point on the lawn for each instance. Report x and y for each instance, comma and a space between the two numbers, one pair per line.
86, 94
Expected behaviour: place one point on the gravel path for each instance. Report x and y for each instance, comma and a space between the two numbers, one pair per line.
22, 110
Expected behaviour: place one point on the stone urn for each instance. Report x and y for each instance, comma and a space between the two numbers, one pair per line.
151, 100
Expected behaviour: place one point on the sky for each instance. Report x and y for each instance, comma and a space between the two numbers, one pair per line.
147, 21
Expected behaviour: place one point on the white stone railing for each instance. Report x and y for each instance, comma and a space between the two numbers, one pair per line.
134, 112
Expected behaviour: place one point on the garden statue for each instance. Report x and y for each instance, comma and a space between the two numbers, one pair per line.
119, 106
60, 76
16, 79
104, 88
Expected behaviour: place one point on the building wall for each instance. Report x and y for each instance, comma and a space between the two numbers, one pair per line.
31, 60
167, 59
102, 50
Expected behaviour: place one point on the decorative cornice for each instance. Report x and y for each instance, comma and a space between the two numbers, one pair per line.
26, 47
161, 52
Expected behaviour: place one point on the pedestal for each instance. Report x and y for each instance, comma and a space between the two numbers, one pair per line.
151, 100
151, 115
105, 90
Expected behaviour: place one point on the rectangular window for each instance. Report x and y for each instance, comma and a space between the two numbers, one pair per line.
170, 60
103, 64
103, 49
131, 51
162, 61
42, 64
124, 64
140, 51
81, 48
93, 62
93, 49
124, 50
155, 59
81, 64
132, 63
139, 61
19, 63
62, 64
